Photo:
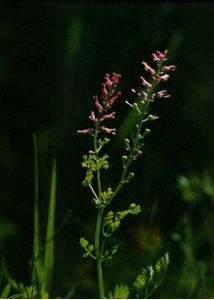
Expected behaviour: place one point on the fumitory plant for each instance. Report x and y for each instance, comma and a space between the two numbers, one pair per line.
95, 161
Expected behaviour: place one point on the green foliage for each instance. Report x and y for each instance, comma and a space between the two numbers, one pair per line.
101, 143
150, 278
194, 275
106, 195
93, 164
50, 231
120, 292
193, 187
89, 248
110, 253
43, 253
38, 272
6, 291
14, 290
112, 220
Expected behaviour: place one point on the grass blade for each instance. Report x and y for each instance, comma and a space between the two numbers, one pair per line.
37, 276
50, 232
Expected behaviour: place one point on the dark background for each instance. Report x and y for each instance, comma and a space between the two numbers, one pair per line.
53, 57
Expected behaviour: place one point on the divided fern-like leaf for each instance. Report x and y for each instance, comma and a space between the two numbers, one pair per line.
150, 278
120, 292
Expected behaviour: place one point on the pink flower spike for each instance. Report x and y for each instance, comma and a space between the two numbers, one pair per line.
85, 131
145, 82
108, 130
168, 68
108, 116
97, 104
148, 68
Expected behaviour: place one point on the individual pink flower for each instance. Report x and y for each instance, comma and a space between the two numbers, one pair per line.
159, 56
85, 131
145, 95
107, 80
108, 116
93, 118
160, 78
145, 82
97, 104
111, 101
168, 68
104, 92
108, 130
161, 94
148, 68
115, 78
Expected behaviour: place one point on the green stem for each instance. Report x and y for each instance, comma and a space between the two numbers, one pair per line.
129, 161
99, 223
97, 157
94, 193
98, 254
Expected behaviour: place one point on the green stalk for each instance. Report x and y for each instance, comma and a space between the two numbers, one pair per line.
98, 254
98, 225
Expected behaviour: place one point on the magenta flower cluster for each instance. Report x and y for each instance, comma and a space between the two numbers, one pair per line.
158, 75
109, 97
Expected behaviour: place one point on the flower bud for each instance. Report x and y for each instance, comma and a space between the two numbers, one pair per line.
127, 144
130, 176
152, 117
124, 158
146, 131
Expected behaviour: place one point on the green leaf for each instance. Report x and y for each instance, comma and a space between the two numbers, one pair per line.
89, 162
88, 178
50, 231
83, 242
6, 291
103, 162
112, 220
106, 195
120, 292
101, 143
134, 209
89, 248
38, 272
150, 278
110, 253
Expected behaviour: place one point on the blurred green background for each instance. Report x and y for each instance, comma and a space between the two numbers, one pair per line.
53, 57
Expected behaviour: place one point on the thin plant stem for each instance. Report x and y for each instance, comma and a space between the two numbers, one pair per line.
98, 254
98, 225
